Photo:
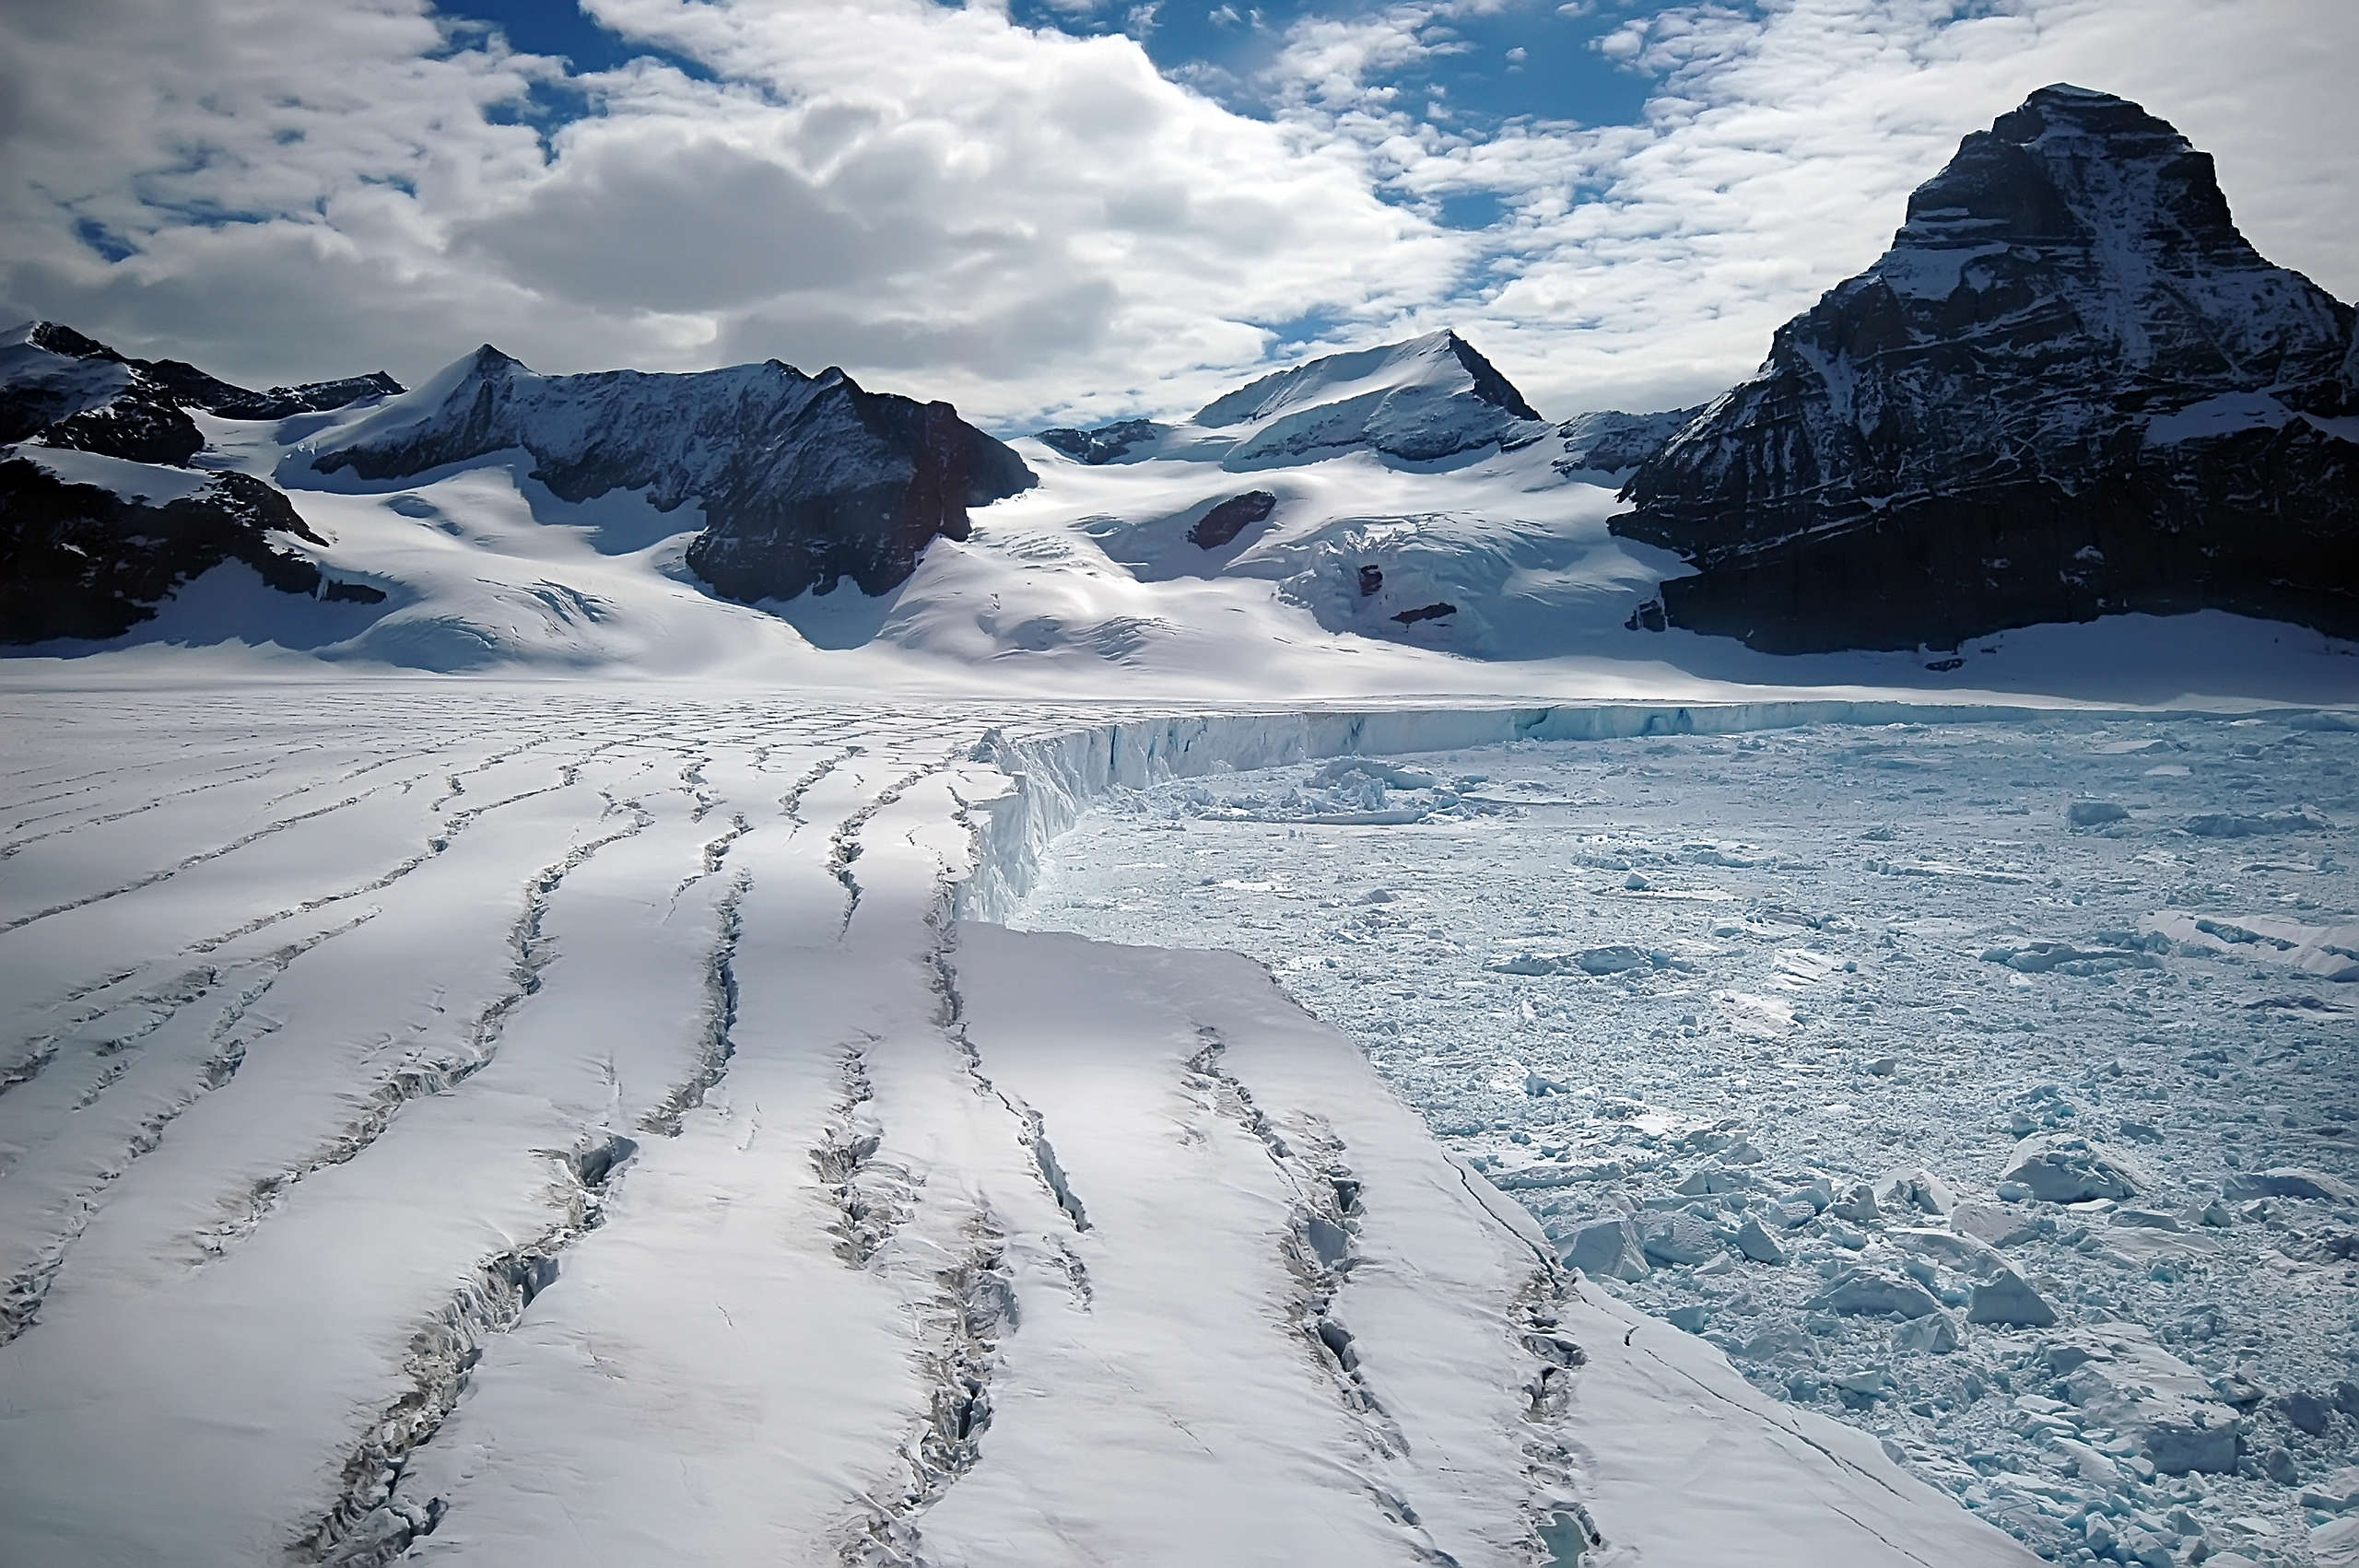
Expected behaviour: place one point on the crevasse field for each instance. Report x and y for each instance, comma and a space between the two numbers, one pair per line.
1990, 1086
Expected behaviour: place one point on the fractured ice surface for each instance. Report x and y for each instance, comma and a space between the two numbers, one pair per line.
460, 1123
2020, 1135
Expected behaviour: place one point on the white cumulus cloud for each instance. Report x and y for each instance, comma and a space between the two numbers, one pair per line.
1030, 223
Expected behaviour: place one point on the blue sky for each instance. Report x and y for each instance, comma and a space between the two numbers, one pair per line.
1067, 209
1538, 59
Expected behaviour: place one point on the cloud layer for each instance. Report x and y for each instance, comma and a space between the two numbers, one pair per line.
1033, 223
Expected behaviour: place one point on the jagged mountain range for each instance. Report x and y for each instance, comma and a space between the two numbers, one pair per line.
2070, 389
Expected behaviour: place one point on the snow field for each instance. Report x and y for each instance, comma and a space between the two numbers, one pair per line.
1685, 995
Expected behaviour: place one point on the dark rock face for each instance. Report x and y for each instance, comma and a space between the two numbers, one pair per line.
78, 561
2070, 387
1614, 442
1231, 517
1102, 443
804, 480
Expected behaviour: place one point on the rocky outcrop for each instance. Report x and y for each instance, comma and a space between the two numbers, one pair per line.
1230, 518
2071, 388
1103, 443
100, 518
803, 481
83, 561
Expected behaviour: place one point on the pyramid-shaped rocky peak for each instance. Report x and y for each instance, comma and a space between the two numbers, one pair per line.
2070, 387
1427, 398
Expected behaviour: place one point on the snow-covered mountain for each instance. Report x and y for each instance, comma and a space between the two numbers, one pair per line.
100, 517
1427, 400
802, 480
61, 388
2071, 388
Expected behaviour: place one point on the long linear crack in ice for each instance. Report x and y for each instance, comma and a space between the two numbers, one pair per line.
367, 1525
534, 951
21, 1295
844, 845
10, 849
873, 1198
189, 864
1319, 1249
973, 1309
438, 843
720, 1041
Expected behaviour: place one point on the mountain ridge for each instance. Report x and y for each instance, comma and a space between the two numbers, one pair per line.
802, 480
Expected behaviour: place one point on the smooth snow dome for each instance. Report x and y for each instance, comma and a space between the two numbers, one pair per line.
2025, 1146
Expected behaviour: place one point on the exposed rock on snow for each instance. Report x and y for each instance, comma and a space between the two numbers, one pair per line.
2064, 1167
1230, 518
87, 560
1106, 443
2070, 387
802, 480
100, 517
62, 388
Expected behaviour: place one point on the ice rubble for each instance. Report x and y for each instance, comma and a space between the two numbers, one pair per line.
2048, 1124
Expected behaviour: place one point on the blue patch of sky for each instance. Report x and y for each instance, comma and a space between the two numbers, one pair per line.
1314, 326
1470, 210
559, 28
1534, 59
100, 238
